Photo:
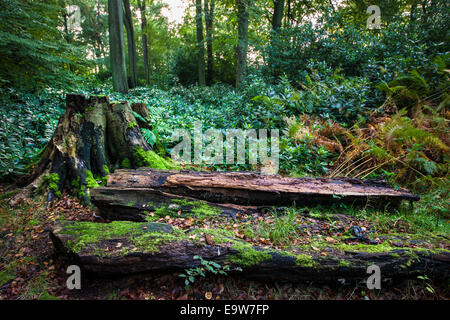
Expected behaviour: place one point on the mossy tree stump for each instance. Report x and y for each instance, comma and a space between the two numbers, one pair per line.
92, 137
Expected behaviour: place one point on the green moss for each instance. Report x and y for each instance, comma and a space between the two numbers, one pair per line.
304, 260
151, 241
199, 208
132, 125
344, 263
360, 247
87, 233
152, 160
50, 181
126, 163
247, 255
221, 236
91, 182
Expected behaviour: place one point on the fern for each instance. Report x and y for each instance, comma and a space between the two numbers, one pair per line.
149, 136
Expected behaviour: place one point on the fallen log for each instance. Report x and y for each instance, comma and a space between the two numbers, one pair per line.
128, 247
134, 204
245, 189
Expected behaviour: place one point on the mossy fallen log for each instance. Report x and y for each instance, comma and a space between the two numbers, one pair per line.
124, 247
135, 204
245, 189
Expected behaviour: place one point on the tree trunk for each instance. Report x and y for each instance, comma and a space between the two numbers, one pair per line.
277, 18
288, 19
132, 55
93, 137
209, 19
142, 4
278, 11
129, 192
154, 247
200, 44
116, 46
242, 46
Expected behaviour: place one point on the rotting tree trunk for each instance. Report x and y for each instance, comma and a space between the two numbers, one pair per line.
92, 137
161, 250
251, 191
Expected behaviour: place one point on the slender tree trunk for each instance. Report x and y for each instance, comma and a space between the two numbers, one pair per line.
200, 44
98, 39
288, 20
241, 49
116, 46
277, 14
132, 55
332, 6
413, 11
277, 18
209, 19
142, 8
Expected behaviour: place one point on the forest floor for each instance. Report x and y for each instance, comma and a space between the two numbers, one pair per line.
31, 269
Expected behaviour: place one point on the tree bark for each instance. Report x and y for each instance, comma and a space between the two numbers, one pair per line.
142, 4
116, 46
132, 55
209, 20
278, 11
129, 191
121, 255
242, 46
277, 19
200, 44
92, 137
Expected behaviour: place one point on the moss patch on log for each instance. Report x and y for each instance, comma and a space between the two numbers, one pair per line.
144, 236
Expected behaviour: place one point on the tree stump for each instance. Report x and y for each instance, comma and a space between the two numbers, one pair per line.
92, 137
